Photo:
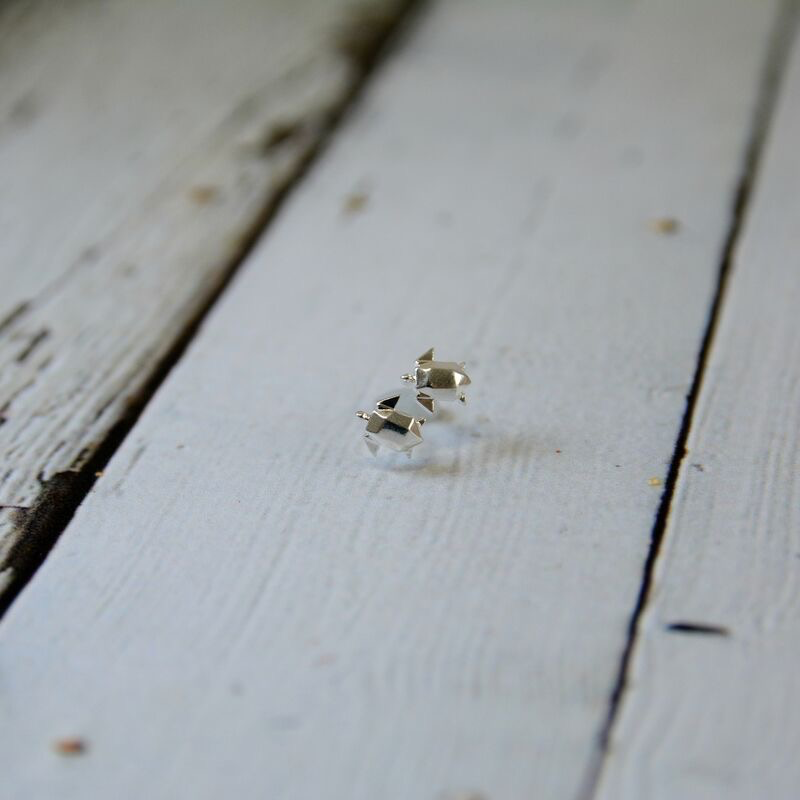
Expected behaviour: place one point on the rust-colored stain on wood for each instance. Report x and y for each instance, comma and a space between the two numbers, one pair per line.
355, 202
665, 225
70, 746
203, 195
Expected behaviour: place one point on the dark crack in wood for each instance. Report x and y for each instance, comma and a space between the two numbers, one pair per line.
363, 40
773, 71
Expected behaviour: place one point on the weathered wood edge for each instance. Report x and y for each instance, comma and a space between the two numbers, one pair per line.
38, 504
680, 724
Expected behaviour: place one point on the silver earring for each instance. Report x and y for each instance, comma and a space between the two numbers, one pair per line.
438, 380
390, 428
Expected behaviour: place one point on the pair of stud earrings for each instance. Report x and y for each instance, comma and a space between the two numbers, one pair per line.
398, 427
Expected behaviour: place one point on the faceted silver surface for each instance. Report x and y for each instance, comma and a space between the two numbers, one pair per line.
405, 400
392, 429
439, 380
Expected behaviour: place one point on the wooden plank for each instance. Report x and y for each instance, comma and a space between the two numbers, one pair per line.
246, 604
715, 711
141, 144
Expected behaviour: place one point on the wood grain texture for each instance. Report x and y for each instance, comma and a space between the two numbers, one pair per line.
140, 146
246, 604
716, 713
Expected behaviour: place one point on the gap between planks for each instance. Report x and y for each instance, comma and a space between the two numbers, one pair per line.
773, 74
365, 42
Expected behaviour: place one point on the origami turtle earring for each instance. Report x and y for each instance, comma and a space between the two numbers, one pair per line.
438, 380
388, 427
395, 423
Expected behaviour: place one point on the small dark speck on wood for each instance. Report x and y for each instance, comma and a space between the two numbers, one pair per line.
89, 254
698, 628
70, 746
35, 341
355, 202
16, 313
279, 134
203, 195
665, 225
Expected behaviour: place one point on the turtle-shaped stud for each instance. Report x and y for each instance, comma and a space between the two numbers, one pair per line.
438, 380
390, 428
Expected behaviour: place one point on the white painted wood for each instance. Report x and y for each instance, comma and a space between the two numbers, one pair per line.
135, 160
716, 716
246, 605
